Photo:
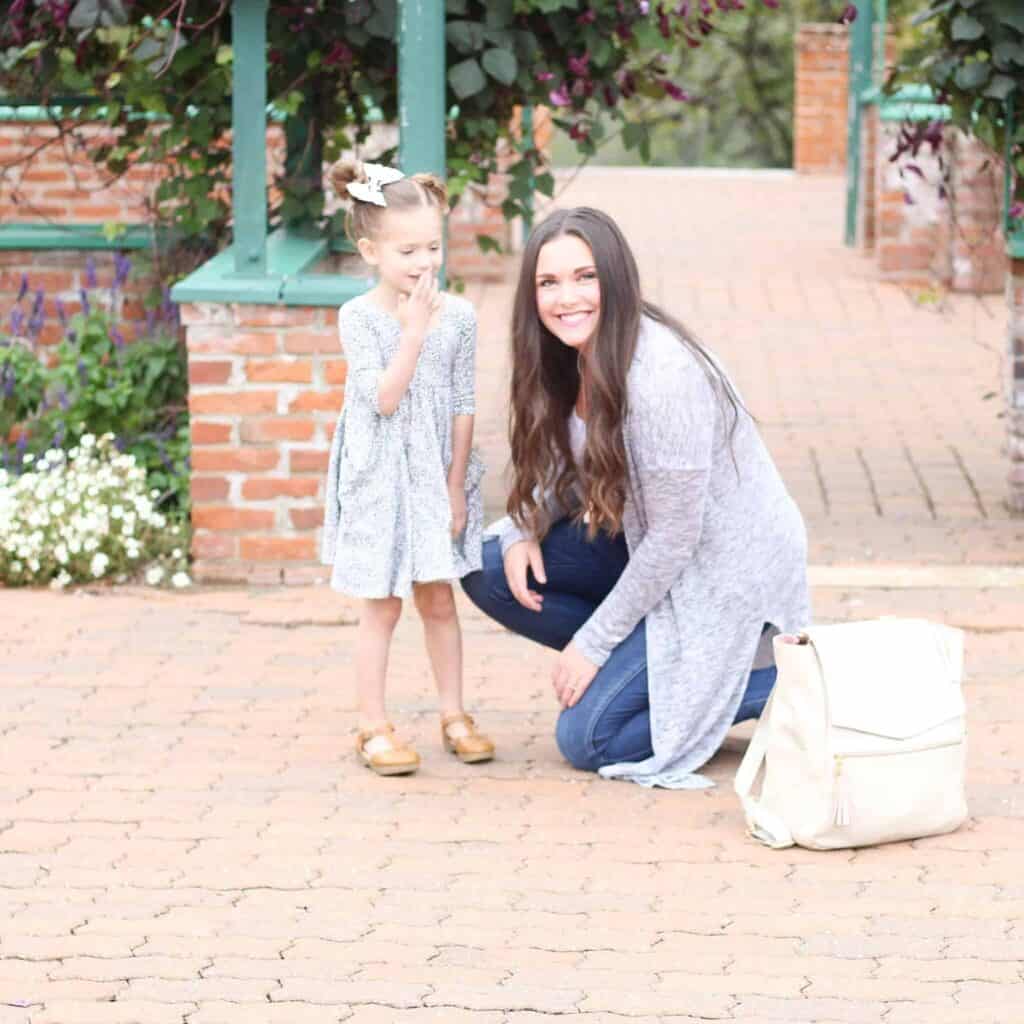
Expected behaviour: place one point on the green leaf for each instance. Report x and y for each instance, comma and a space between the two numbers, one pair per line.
966, 28
465, 36
1008, 52
1000, 87
1007, 12
545, 184
488, 244
466, 79
225, 54
932, 12
501, 65
973, 75
498, 13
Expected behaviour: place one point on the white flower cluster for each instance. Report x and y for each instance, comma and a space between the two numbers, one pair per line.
85, 515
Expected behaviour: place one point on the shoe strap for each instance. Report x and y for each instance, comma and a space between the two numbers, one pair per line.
379, 740
456, 718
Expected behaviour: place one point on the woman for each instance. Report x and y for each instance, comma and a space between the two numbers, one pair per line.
650, 538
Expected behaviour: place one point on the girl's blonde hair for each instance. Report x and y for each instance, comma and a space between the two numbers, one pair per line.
363, 219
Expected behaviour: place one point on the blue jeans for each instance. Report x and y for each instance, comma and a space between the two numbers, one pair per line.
612, 720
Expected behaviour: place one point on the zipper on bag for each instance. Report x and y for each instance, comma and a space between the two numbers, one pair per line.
840, 783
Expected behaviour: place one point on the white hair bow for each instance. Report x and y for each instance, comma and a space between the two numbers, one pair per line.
371, 190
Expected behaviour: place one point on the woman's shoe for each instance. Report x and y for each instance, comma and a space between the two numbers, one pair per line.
469, 746
382, 751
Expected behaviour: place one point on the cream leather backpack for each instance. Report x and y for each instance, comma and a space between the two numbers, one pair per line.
863, 739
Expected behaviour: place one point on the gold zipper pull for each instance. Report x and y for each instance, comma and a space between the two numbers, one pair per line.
841, 796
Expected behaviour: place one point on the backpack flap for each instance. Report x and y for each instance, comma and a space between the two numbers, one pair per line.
892, 678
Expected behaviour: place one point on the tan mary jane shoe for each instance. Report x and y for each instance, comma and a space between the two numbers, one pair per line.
468, 745
381, 750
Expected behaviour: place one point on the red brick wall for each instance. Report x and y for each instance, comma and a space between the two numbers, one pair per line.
819, 114
266, 384
978, 253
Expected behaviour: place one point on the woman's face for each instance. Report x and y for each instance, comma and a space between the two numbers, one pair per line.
568, 291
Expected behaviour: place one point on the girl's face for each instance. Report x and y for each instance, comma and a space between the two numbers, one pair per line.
408, 245
568, 291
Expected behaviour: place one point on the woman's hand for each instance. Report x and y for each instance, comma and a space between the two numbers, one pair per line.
457, 500
416, 309
520, 557
572, 674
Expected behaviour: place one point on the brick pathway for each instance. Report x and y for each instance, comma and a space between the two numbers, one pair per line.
185, 836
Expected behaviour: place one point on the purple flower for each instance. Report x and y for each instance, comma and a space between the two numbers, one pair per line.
544, 76
90, 273
37, 305
610, 99
578, 65
62, 313
773, 4
7, 378
23, 289
849, 15
664, 27
675, 92
62, 399
1017, 210
588, 17
705, 7
559, 97
643, 7
35, 325
83, 372
705, 26
17, 321
117, 338
122, 267
150, 321
579, 131
85, 301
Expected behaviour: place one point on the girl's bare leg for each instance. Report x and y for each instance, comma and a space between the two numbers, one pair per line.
376, 627
436, 604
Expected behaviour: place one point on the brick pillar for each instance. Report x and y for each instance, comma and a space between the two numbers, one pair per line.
266, 384
1015, 384
978, 247
820, 107
911, 217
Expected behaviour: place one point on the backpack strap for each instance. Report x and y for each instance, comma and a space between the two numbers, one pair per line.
762, 824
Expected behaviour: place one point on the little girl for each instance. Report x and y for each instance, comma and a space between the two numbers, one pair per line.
404, 510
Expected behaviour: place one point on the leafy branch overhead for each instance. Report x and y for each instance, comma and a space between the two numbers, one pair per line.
972, 53
158, 72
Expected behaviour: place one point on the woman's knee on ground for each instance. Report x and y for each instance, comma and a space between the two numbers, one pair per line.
435, 602
488, 588
382, 613
571, 735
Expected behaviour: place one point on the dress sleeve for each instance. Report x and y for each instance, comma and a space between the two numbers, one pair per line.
672, 441
464, 369
363, 355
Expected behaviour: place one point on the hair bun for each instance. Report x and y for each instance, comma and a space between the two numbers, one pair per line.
343, 173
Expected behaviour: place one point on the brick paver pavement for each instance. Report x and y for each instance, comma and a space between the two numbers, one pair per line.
186, 837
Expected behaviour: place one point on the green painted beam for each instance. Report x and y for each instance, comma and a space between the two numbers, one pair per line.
73, 236
862, 42
286, 280
249, 132
1015, 245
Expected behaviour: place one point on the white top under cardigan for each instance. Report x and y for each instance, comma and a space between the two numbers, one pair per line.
717, 548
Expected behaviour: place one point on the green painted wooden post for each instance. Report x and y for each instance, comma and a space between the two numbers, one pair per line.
862, 45
249, 135
421, 92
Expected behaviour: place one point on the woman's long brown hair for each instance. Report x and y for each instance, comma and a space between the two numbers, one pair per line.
546, 381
